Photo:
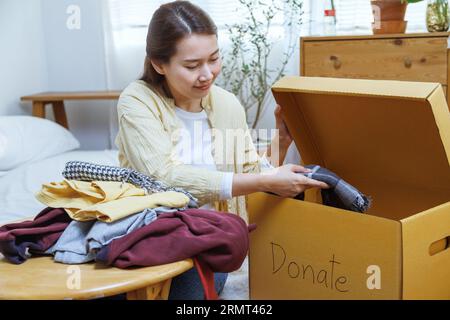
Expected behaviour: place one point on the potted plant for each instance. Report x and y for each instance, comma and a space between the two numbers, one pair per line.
437, 15
389, 15
246, 70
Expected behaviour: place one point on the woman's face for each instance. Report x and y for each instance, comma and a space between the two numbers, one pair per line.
193, 69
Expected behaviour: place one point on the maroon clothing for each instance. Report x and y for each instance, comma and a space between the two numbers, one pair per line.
218, 239
37, 235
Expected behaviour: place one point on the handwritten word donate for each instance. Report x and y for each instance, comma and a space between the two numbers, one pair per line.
325, 276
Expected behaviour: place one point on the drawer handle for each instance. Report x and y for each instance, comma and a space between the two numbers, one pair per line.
336, 62
408, 62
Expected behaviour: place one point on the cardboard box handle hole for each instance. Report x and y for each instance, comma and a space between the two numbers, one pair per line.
439, 246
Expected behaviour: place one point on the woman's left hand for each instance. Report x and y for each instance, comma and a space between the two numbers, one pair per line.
283, 132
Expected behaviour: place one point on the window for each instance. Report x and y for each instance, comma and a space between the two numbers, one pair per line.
137, 13
131, 14
355, 17
128, 19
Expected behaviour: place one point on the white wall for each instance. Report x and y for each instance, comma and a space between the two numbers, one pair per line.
39, 53
75, 60
23, 65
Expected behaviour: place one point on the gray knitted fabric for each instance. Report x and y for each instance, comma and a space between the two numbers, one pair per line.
340, 194
85, 171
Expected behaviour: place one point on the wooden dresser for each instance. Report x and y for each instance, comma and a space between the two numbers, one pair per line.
409, 57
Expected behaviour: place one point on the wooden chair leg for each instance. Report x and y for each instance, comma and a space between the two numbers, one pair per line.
159, 291
164, 294
60, 113
38, 109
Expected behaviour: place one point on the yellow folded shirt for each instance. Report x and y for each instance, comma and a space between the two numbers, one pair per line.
106, 201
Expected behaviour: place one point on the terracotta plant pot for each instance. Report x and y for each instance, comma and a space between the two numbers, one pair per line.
389, 27
389, 16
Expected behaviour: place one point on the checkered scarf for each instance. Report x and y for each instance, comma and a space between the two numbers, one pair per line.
85, 171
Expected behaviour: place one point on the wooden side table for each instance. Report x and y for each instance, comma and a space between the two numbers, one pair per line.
56, 99
421, 57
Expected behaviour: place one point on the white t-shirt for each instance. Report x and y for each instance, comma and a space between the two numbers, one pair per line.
194, 148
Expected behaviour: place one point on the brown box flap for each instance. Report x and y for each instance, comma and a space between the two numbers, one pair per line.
391, 139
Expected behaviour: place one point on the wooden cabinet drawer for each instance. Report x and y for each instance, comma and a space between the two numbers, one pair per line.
411, 59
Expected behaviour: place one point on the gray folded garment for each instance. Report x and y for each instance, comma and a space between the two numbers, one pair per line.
340, 194
81, 240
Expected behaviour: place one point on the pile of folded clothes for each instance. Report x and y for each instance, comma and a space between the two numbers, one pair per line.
122, 218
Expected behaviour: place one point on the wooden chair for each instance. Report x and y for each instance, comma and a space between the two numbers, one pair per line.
42, 278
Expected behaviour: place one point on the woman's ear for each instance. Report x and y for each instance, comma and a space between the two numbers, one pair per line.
158, 67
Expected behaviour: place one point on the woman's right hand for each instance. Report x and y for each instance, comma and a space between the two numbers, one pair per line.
286, 181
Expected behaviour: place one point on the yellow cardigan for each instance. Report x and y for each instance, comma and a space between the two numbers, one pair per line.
107, 201
149, 131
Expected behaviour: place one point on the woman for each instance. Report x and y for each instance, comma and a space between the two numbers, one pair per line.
162, 115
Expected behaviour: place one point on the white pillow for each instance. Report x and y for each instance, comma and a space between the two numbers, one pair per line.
25, 139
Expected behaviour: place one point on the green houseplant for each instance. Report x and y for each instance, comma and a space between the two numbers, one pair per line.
437, 15
389, 15
246, 69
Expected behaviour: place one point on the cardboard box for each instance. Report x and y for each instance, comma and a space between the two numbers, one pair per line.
391, 140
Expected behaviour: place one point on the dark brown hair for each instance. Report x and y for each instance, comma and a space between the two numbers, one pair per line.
170, 23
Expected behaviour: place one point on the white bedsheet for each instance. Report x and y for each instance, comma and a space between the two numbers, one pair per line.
18, 186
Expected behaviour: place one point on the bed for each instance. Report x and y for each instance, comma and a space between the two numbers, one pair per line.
17, 186
34, 151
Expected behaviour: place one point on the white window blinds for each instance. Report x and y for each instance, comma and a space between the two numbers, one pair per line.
129, 14
137, 13
355, 16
